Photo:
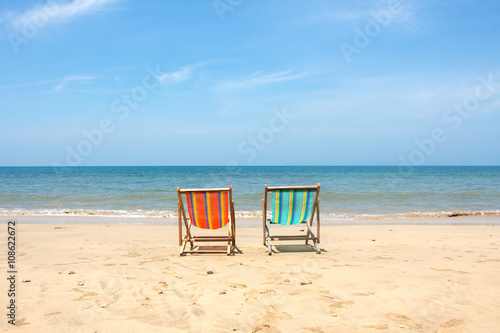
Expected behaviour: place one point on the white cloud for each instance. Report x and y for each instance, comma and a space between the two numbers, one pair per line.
181, 75
351, 16
22, 85
398, 14
256, 79
53, 9
72, 78
61, 83
186, 72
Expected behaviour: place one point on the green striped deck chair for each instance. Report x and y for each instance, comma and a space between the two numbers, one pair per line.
208, 209
291, 205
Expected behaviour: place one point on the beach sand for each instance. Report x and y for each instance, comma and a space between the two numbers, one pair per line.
98, 277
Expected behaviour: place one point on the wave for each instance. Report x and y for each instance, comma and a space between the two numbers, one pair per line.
412, 215
91, 212
238, 214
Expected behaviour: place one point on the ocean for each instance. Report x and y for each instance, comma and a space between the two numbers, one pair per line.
347, 193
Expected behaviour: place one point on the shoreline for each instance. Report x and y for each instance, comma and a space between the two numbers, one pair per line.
249, 222
154, 214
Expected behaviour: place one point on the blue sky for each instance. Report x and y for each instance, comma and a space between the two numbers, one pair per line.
238, 82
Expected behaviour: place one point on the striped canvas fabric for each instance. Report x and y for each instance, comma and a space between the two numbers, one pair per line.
208, 210
291, 206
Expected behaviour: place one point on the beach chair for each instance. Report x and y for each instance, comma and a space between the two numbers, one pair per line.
207, 209
292, 205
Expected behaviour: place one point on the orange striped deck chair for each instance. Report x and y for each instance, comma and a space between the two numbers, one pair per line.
291, 205
208, 209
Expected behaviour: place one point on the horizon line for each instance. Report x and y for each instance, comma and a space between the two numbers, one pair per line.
273, 165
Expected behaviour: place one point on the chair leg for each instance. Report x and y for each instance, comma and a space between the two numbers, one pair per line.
233, 233
183, 248
264, 226
233, 224
267, 237
316, 246
318, 222
315, 239
308, 233
269, 246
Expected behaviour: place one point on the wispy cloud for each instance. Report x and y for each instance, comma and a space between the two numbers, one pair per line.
52, 10
340, 16
61, 82
406, 17
257, 79
72, 78
400, 14
22, 85
182, 74
185, 73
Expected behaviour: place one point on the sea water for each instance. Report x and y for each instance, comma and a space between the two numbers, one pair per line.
346, 192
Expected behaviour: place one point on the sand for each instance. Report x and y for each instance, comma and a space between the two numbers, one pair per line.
98, 277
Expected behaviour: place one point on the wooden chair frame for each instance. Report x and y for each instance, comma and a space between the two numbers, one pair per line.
309, 236
190, 238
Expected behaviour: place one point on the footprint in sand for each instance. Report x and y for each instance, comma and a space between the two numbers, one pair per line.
452, 323
177, 316
448, 270
112, 287
21, 322
382, 258
314, 329
244, 319
487, 260
342, 304
132, 254
239, 286
404, 321
197, 310
187, 292
52, 313
377, 327
84, 294
269, 321
360, 294
274, 277
251, 295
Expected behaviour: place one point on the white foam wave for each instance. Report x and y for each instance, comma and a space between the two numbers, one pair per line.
238, 214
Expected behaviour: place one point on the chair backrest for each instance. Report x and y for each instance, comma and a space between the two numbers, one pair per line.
208, 208
292, 205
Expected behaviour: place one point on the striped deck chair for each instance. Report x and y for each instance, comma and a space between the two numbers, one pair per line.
207, 209
291, 205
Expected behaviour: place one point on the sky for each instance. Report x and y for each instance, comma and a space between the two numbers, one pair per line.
239, 82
